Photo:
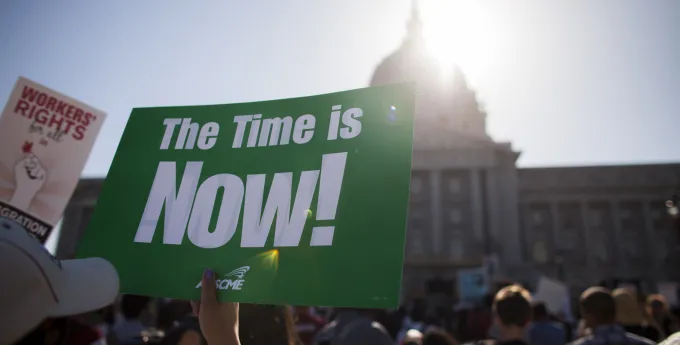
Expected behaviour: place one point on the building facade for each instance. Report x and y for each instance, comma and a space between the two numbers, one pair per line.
470, 202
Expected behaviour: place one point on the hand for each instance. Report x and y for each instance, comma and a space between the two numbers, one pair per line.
219, 321
30, 176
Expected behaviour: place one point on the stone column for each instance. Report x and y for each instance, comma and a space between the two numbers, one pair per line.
493, 213
555, 249
513, 253
555, 227
435, 192
619, 248
649, 248
476, 206
583, 206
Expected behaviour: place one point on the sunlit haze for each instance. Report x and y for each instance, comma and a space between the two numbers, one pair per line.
576, 82
460, 32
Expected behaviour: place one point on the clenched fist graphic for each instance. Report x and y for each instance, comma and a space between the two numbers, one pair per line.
30, 176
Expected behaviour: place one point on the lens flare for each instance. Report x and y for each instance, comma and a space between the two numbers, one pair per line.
270, 259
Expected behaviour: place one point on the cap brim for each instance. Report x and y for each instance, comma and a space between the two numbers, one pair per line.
88, 284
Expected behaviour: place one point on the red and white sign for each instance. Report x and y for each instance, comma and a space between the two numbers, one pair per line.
45, 140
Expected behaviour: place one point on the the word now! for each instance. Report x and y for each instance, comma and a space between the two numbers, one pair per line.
190, 208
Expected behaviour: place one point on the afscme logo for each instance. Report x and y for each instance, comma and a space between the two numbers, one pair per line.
231, 284
239, 272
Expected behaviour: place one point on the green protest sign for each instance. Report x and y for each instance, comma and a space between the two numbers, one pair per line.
300, 201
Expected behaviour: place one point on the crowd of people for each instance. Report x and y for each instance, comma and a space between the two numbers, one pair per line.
48, 301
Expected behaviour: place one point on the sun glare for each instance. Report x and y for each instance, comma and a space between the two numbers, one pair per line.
459, 31
271, 259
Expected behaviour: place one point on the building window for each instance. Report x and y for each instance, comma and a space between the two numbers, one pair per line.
416, 185
540, 252
456, 232
454, 185
625, 213
570, 238
595, 218
455, 216
601, 251
456, 250
633, 251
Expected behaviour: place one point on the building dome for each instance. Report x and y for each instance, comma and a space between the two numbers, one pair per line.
444, 102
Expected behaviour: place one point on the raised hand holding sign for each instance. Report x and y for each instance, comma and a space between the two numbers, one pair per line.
271, 192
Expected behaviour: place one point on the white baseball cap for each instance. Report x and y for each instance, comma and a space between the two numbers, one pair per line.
34, 285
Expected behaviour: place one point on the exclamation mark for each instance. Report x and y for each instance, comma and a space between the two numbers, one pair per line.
330, 184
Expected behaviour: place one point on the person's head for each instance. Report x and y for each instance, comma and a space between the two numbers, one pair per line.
540, 311
131, 306
266, 325
597, 307
657, 306
437, 336
35, 286
413, 337
628, 311
512, 308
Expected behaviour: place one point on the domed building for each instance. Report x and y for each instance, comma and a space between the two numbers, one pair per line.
470, 205
464, 197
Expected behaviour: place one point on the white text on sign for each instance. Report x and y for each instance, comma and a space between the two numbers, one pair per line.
259, 132
190, 208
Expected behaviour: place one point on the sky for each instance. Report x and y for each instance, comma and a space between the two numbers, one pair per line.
576, 82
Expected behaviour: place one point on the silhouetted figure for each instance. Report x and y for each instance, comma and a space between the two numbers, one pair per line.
543, 330
629, 315
598, 309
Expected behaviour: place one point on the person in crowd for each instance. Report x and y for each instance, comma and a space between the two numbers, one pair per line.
354, 327
512, 314
599, 311
565, 325
218, 322
39, 292
414, 320
180, 325
307, 324
64, 330
658, 309
436, 336
630, 316
478, 321
392, 320
171, 313
673, 339
582, 329
266, 325
413, 337
129, 329
543, 330
228, 323
105, 325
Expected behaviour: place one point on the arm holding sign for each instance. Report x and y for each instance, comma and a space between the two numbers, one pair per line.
219, 321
